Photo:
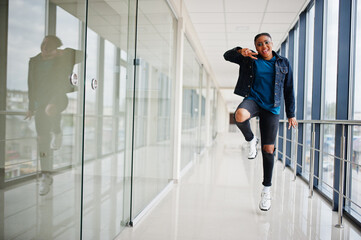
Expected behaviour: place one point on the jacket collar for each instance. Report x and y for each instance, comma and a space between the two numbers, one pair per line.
276, 54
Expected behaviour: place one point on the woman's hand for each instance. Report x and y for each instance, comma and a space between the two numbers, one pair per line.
29, 115
292, 122
246, 52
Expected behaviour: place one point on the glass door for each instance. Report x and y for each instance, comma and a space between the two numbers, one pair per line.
152, 161
41, 121
105, 114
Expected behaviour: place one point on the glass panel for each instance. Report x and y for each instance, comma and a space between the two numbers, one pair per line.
41, 122
153, 159
329, 95
295, 85
190, 116
103, 198
202, 123
215, 103
308, 91
355, 168
212, 110
91, 120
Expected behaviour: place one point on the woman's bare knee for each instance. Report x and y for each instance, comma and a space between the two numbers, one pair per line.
268, 148
51, 110
242, 115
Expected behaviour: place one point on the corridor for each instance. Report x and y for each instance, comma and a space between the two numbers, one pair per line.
217, 199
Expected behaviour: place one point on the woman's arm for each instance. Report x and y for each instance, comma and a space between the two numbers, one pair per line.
236, 54
31, 87
288, 93
233, 55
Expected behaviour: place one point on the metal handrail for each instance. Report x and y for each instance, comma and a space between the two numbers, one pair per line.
338, 122
343, 160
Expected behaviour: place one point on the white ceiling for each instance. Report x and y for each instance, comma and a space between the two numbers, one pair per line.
224, 24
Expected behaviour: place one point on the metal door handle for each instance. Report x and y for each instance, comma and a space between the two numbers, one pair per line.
94, 84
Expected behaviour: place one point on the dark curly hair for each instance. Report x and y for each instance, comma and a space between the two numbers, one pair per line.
262, 34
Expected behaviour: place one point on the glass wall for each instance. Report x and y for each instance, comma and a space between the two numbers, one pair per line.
202, 122
86, 114
354, 181
63, 157
153, 98
41, 119
329, 81
213, 110
308, 90
191, 104
104, 130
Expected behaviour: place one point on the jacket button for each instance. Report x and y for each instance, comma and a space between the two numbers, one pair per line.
250, 76
249, 85
246, 95
250, 66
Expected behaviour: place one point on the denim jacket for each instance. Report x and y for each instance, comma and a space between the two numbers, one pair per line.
283, 78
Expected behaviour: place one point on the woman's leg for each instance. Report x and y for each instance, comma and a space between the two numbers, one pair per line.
245, 111
269, 127
56, 105
43, 126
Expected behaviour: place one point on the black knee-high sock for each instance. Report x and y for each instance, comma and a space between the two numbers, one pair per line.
268, 162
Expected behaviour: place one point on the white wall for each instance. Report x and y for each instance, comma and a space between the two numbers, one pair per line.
222, 115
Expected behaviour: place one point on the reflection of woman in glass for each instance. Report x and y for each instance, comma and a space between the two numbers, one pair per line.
48, 82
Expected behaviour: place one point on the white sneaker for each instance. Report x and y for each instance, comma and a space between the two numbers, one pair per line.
56, 140
252, 153
45, 182
265, 203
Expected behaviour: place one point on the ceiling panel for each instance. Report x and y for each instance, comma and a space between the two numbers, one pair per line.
242, 36
243, 28
207, 17
245, 5
275, 27
286, 5
207, 6
244, 17
279, 17
212, 35
219, 28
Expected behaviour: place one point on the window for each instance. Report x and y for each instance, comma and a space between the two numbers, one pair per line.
308, 89
295, 82
354, 181
26, 31
329, 81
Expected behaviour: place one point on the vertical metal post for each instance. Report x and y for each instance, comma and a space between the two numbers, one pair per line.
342, 177
295, 155
284, 145
312, 165
276, 150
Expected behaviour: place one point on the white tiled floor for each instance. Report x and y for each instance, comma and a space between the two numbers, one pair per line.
218, 200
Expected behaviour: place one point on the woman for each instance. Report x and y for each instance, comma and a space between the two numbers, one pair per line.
263, 78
